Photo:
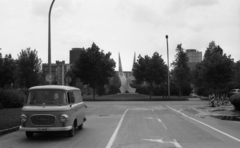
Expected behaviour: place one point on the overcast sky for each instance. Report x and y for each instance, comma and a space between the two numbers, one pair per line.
124, 26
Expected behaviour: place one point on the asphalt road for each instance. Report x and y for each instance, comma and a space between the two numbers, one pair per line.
138, 125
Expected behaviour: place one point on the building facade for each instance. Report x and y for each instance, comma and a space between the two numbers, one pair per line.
74, 55
59, 71
194, 57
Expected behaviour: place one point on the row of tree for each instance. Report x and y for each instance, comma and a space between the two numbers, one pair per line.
23, 72
216, 73
96, 69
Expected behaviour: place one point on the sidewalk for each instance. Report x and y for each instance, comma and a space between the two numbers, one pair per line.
221, 112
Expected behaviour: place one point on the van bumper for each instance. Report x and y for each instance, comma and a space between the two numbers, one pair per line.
45, 129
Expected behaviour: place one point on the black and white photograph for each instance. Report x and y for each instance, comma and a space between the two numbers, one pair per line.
119, 73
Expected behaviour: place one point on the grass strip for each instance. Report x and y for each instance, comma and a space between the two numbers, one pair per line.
9, 118
133, 97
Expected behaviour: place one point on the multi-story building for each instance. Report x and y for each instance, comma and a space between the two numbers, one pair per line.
194, 57
74, 54
59, 71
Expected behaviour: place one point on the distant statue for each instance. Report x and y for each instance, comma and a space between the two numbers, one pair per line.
125, 82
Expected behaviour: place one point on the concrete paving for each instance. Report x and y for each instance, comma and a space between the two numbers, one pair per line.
180, 124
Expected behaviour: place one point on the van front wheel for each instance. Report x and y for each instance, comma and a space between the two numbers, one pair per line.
29, 134
80, 127
71, 133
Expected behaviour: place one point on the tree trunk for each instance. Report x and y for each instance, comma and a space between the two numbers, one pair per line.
179, 92
93, 93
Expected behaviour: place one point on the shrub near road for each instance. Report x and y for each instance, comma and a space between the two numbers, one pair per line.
11, 99
11, 102
235, 100
9, 118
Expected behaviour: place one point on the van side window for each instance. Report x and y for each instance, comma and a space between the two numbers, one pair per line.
78, 96
71, 98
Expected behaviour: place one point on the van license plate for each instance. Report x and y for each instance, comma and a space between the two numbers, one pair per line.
42, 129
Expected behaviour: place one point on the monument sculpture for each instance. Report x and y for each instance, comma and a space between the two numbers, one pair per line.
125, 82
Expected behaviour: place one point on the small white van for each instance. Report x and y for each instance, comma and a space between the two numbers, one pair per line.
53, 108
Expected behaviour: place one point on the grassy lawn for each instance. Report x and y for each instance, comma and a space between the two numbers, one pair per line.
9, 118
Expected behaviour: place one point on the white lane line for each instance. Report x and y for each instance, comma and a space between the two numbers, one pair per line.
109, 145
161, 141
176, 143
159, 120
181, 110
230, 136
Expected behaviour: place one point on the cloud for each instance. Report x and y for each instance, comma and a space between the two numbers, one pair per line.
41, 8
178, 6
196, 3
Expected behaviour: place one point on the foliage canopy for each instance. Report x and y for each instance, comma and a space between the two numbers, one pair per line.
151, 70
94, 67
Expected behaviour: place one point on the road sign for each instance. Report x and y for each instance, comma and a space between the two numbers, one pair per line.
49, 78
68, 79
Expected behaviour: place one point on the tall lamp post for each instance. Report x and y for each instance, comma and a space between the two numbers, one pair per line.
168, 69
49, 43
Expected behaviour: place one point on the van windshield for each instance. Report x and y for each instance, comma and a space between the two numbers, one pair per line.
47, 97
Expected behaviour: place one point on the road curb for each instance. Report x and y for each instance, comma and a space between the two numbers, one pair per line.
212, 113
9, 130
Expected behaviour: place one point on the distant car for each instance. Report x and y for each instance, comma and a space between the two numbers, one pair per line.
233, 92
53, 108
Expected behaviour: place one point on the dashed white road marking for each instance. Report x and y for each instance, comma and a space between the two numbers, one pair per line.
159, 120
181, 110
161, 141
109, 145
230, 136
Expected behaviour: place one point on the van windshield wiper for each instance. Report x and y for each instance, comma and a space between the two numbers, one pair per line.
35, 103
53, 102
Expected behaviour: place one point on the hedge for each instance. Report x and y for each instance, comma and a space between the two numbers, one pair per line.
11, 98
235, 100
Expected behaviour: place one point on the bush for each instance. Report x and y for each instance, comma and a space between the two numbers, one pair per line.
11, 98
142, 90
235, 100
100, 90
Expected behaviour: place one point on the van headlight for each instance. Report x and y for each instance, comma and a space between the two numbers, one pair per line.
23, 118
63, 118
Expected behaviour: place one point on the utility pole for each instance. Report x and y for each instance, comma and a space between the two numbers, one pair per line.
49, 43
168, 69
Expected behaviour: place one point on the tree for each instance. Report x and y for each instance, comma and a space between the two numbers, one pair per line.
8, 71
235, 83
114, 84
181, 71
151, 70
215, 71
29, 68
94, 67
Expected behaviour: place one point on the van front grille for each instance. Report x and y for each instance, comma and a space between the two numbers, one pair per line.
43, 120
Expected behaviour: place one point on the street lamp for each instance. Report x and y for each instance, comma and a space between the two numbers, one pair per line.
49, 43
168, 69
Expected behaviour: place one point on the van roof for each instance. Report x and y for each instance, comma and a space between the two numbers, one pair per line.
62, 87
